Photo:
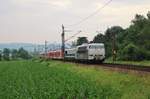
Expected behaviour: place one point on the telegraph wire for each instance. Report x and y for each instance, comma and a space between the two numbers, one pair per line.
73, 36
91, 15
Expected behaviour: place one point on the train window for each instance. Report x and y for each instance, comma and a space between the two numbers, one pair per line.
101, 46
92, 47
96, 46
82, 49
65, 52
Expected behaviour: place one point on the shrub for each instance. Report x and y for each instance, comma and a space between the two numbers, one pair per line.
0, 56
133, 53
6, 54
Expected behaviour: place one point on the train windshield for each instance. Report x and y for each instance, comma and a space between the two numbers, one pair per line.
82, 49
96, 46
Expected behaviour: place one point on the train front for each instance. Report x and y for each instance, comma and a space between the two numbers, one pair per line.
91, 52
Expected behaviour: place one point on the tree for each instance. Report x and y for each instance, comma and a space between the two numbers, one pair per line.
0, 55
113, 30
139, 21
139, 34
108, 38
82, 40
132, 53
6, 54
148, 15
100, 38
23, 54
14, 54
132, 43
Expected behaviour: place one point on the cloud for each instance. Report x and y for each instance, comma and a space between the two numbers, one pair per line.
39, 20
61, 3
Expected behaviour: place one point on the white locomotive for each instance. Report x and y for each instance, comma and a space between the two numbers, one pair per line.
86, 52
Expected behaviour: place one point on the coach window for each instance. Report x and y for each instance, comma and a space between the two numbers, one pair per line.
82, 49
66, 52
101, 47
92, 47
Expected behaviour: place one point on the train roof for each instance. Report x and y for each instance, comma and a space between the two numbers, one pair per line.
70, 49
91, 44
96, 44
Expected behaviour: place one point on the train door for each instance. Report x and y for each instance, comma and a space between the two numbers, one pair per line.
82, 53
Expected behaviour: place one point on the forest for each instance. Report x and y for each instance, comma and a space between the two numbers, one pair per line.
14, 54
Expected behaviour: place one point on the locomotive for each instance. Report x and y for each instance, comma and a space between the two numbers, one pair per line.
85, 52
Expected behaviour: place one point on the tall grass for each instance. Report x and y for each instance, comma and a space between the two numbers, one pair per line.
57, 80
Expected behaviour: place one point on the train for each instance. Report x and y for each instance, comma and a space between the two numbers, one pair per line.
93, 52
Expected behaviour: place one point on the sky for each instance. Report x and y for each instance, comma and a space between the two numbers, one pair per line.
34, 21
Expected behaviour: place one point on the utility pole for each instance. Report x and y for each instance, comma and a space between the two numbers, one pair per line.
114, 47
63, 41
45, 49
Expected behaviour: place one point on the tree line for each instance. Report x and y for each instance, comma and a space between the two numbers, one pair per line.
132, 43
14, 54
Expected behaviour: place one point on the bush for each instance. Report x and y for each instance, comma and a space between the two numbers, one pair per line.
6, 54
147, 54
22, 53
133, 53
0, 56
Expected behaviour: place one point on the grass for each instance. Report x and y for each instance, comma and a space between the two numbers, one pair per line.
58, 80
143, 63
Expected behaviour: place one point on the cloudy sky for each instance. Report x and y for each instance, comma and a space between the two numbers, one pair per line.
37, 20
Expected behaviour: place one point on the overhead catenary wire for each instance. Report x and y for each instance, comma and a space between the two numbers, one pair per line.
91, 15
73, 36
86, 18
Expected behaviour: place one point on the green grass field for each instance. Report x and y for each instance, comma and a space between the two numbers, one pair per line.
57, 80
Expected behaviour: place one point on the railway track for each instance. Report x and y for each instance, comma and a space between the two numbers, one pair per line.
119, 66
114, 65
127, 66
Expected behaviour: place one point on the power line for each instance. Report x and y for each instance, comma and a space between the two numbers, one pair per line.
91, 15
86, 18
73, 36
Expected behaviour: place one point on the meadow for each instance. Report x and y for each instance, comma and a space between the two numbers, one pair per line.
59, 80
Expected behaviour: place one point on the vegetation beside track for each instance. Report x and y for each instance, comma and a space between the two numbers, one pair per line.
140, 63
131, 43
58, 80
